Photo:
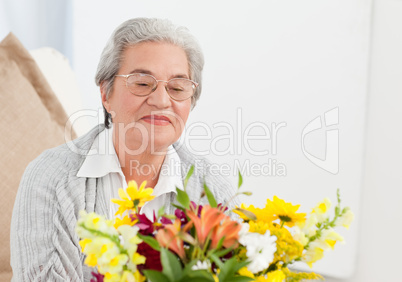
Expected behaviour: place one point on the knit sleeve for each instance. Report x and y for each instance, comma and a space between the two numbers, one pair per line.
43, 244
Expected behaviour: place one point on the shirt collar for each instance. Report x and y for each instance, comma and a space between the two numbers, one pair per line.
170, 174
103, 158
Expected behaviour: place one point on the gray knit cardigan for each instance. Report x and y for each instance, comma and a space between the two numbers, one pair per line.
44, 245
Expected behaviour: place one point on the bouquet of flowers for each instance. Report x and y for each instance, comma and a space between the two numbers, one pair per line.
203, 243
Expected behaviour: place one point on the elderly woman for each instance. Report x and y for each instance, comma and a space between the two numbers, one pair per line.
150, 77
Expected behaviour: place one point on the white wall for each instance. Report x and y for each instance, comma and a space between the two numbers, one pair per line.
381, 210
38, 23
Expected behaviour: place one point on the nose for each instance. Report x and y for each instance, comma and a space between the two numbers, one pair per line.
160, 97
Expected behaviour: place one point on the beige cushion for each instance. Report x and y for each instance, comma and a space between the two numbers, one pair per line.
63, 81
6, 276
31, 120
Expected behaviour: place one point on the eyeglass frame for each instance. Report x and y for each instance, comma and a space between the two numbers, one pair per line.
126, 76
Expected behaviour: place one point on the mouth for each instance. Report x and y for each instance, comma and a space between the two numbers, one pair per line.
157, 119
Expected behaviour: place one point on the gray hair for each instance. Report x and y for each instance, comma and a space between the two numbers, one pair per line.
139, 30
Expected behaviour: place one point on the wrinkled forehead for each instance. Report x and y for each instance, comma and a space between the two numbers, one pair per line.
152, 57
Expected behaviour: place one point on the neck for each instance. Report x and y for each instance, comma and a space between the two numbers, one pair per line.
144, 166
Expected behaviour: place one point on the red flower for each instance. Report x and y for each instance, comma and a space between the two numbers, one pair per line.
153, 259
146, 226
97, 277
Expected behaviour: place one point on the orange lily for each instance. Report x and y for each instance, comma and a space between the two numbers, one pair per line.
168, 237
209, 219
229, 230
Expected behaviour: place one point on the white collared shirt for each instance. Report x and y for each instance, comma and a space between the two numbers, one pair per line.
102, 162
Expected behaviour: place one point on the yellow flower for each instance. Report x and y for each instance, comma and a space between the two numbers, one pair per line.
138, 277
88, 222
91, 260
285, 212
329, 238
245, 272
126, 276
287, 248
109, 277
125, 221
313, 254
301, 276
134, 197
321, 210
261, 214
259, 226
275, 276
138, 259
130, 243
83, 243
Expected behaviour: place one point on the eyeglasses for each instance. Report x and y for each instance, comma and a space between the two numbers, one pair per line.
141, 84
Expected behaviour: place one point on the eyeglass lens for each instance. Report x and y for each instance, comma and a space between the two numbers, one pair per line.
177, 88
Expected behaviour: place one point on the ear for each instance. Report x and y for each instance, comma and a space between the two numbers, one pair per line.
105, 100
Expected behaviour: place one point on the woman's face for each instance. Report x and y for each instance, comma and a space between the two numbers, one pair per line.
154, 122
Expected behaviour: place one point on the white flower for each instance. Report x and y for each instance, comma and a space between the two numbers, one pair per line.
346, 219
300, 236
245, 227
201, 265
309, 226
260, 250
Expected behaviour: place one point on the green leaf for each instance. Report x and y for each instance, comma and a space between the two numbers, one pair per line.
230, 268
171, 265
178, 207
155, 276
250, 215
220, 243
196, 279
210, 196
170, 216
161, 211
241, 264
150, 241
188, 266
223, 252
240, 181
189, 173
216, 260
183, 198
337, 211
227, 270
247, 193
201, 275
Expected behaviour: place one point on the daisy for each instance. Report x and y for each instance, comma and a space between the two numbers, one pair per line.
134, 197
285, 212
